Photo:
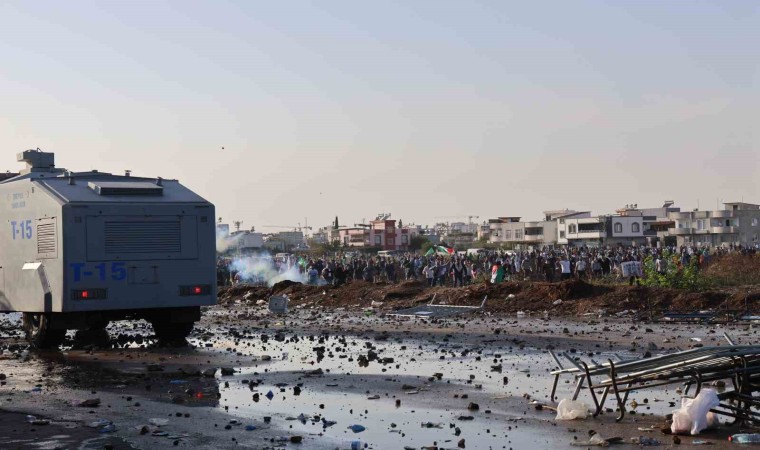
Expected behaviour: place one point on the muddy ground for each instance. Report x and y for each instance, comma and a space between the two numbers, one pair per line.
329, 364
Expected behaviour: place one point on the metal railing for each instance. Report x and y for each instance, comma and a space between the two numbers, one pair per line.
738, 363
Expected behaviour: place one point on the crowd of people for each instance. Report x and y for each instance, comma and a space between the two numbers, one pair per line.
495, 266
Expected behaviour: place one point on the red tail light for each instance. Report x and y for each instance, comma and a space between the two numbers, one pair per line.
89, 294
201, 289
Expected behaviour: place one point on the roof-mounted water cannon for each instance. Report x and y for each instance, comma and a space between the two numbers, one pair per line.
37, 161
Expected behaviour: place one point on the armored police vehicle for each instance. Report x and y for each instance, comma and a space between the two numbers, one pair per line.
80, 249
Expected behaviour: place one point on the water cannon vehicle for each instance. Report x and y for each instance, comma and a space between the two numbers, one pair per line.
82, 249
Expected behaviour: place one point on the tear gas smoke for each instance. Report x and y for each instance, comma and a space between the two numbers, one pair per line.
225, 242
263, 269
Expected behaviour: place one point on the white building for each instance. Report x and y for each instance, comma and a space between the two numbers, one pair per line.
597, 231
625, 230
462, 228
540, 233
581, 230
522, 234
246, 241
505, 229
285, 241
738, 223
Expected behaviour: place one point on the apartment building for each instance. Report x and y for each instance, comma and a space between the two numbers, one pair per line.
582, 230
505, 229
523, 233
484, 231
285, 241
247, 241
607, 230
352, 236
381, 233
738, 223
655, 222
629, 225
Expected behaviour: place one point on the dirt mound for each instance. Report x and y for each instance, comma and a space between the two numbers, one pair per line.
733, 270
229, 294
409, 289
296, 290
565, 290
530, 296
285, 284
569, 297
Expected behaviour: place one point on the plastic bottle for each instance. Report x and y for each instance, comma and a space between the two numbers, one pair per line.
753, 438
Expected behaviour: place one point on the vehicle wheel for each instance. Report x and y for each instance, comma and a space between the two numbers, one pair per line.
172, 334
94, 335
38, 331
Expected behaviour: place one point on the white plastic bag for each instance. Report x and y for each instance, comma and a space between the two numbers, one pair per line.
694, 415
571, 409
681, 422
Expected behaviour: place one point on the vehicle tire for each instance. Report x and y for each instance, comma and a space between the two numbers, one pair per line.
38, 331
94, 335
172, 334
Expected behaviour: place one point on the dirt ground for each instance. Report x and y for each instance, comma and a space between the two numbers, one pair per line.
578, 297
331, 363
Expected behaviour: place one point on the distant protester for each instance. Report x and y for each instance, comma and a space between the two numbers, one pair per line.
456, 270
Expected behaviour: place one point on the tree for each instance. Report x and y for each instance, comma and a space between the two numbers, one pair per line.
400, 224
417, 242
335, 226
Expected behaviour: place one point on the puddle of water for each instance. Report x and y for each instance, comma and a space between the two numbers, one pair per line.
345, 387
341, 395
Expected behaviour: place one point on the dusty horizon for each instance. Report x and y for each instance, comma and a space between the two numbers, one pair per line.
278, 113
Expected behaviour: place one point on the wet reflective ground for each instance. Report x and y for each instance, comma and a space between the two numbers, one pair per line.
312, 376
409, 393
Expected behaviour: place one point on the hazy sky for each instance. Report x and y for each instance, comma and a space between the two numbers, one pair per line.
419, 108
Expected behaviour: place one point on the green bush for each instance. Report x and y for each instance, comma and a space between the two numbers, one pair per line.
675, 276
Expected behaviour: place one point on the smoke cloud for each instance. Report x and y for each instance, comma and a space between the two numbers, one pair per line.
225, 242
263, 269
